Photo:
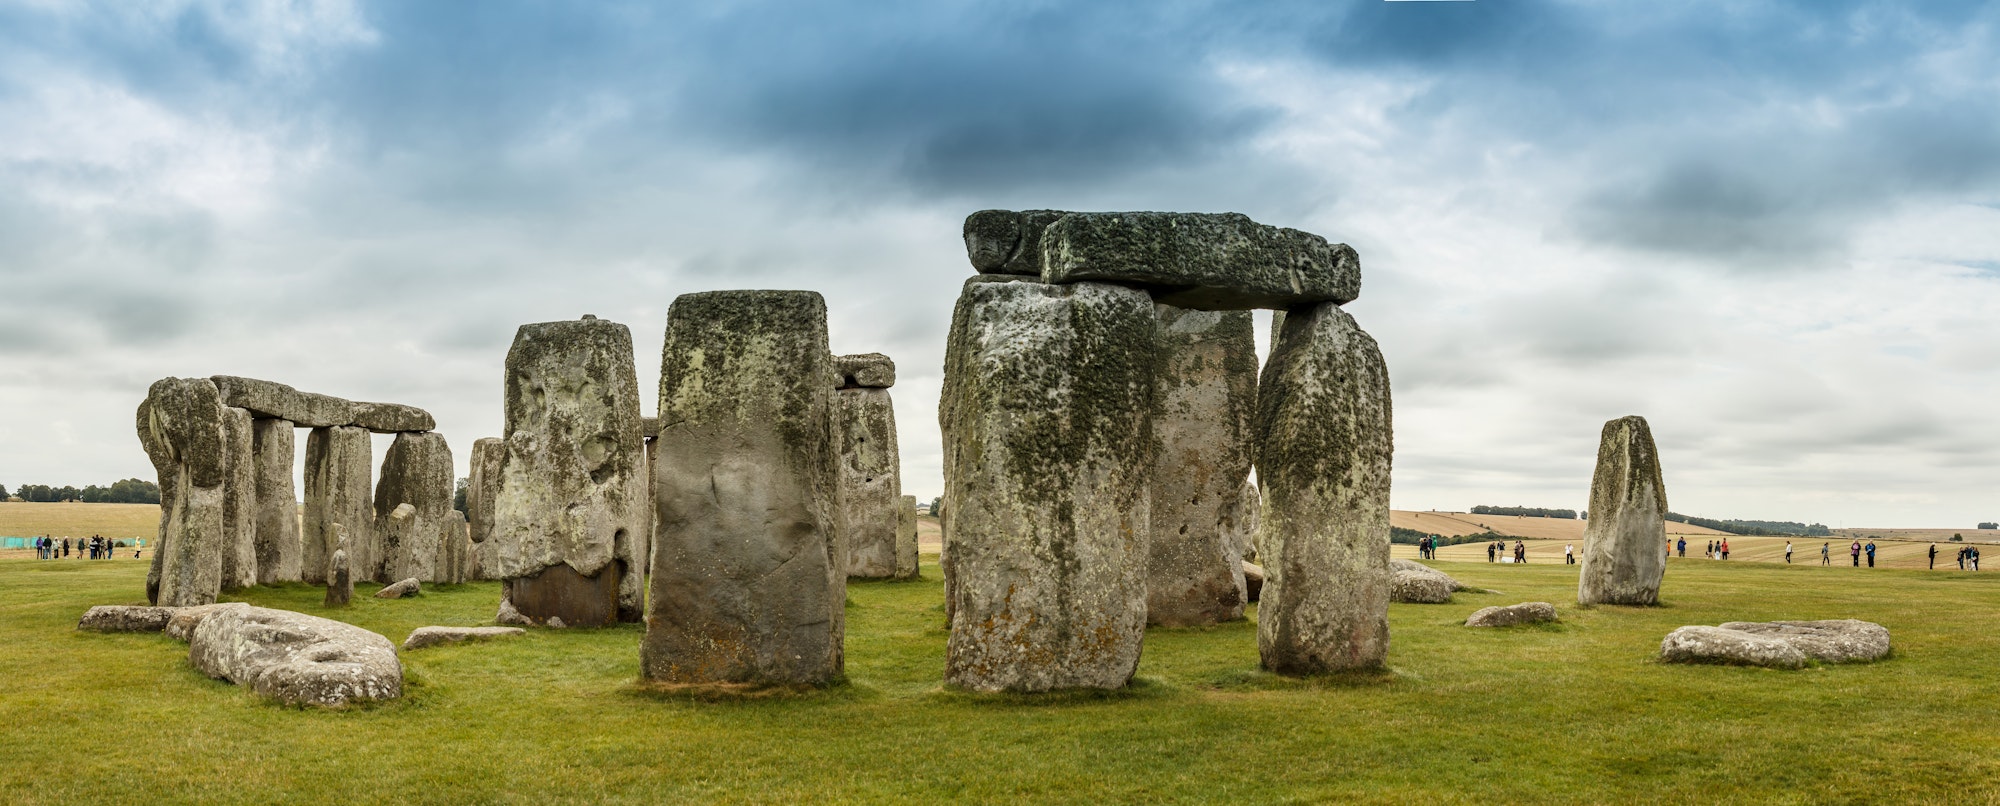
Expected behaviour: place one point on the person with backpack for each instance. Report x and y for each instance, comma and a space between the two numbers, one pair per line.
1681, 547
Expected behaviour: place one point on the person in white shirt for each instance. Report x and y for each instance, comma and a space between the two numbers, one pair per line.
1569, 554
1788, 552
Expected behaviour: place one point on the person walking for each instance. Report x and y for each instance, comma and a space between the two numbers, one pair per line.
1855, 551
1569, 554
1933, 556
1961, 558
1788, 552
1681, 546
1826, 554
1520, 552
1871, 554
1975, 557
1725, 548
1489, 552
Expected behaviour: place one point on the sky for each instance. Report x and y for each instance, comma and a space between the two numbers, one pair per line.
1771, 228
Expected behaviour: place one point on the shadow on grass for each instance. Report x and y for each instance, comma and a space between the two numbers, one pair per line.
748, 693
1139, 690
1251, 680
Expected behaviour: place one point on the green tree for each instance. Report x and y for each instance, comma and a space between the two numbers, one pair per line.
3, 492
458, 496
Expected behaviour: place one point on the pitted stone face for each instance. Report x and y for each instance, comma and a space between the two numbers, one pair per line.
1006, 241
1624, 543
296, 659
865, 371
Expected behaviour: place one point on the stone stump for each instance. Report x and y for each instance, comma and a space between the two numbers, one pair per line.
338, 469
481, 489
1207, 403
1047, 420
1624, 541
906, 538
1324, 449
239, 500
181, 427
339, 575
749, 582
571, 512
273, 447
870, 476
416, 470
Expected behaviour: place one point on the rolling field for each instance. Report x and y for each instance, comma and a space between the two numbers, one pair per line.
1460, 523
1571, 713
123, 521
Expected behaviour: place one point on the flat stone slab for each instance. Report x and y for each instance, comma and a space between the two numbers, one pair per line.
125, 618
865, 371
1830, 641
1415, 583
181, 625
407, 587
1210, 261
424, 637
309, 410
1510, 615
1697, 644
296, 659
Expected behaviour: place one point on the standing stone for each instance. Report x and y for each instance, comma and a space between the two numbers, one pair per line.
1207, 402
183, 426
239, 500
338, 466
571, 512
417, 471
1249, 510
1324, 449
749, 583
1047, 420
906, 538
1622, 557
455, 561
481, 488
870, 476
154, 440
273, 446
339, 576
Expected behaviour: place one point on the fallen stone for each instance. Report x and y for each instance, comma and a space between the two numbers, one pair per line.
1717, 645
1510, 615
1210, 261
1206, 393
749, 580
571, 514
273, 446
426, 637
1624, 541
407, 587
870, 480
125, 618
1324, 449
296, 659
509, 615
1006, 241
416, 471
1047, 420
181, 625
865, 371
1830, 641
1253, 582
1416, 583
338, 472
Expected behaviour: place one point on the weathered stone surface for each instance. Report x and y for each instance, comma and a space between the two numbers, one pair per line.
1829, 641
1249, 512
125, 618
1510, 615
1206, 393
309, 410
482, 488
1253, 582
339, 571
1047, 420
181, 625
456, 561
239, 500
1212, 261
407, 587
182, 428
416, 470
1717, 645
1006, 241
649, 427
749, 579
1412, 582
509, 615
338, 469
273, 449
906, 538
865, 371
1324, 448
573, 480
426, 637
297, 659
870, 480
1623, 542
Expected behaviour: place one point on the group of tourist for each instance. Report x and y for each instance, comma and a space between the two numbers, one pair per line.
1966, 554
1497, 551
1427, 548
94, 547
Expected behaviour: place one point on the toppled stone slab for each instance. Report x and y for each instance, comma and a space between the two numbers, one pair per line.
1624, 541
425, 637
182, 624
865, 371
407, 587
1416, 583
125, 618
295, 658
309, 410
509, 615
1213, 261
1829, 641
1697, 644
1510, 615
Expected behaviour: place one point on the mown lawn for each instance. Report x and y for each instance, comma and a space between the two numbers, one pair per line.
1572, 713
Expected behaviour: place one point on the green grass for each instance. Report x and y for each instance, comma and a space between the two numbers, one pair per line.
1576, 712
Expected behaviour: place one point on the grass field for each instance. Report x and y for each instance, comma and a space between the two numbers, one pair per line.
122, 521
1460, 523
1574, 713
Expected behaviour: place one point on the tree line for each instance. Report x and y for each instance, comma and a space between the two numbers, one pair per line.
1525, 512
1410, 537
128, 491
1755, 528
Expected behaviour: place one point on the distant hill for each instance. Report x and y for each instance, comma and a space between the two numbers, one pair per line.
1465, 523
